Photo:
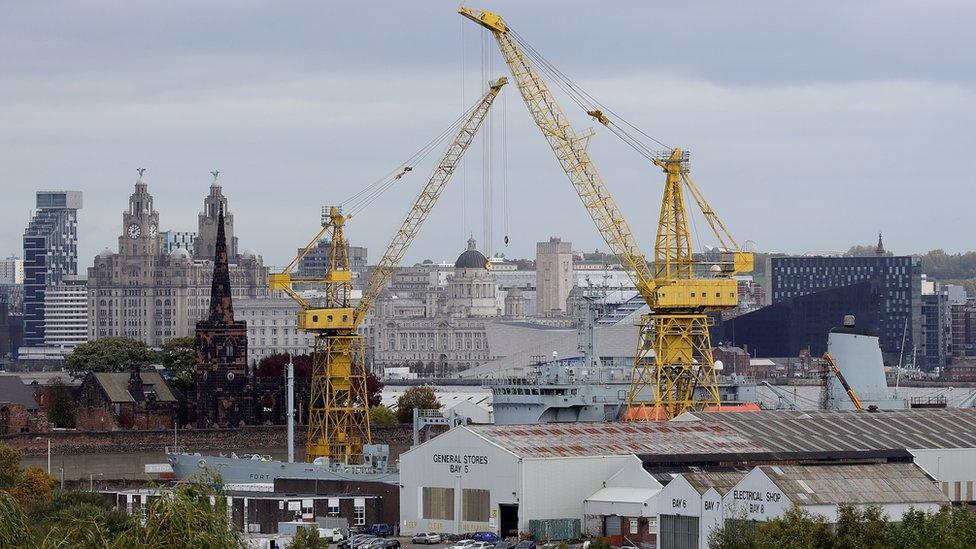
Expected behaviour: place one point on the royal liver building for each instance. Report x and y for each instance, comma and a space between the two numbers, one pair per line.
146, 293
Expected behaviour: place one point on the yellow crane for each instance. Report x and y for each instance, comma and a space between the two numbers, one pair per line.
832, 367
338, 416
681, 371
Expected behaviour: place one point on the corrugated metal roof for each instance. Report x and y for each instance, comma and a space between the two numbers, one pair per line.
856, 484
596, 439
797, 431
618, 494
722, 481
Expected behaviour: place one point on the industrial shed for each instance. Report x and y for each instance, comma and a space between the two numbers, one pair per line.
502, 477
941, 441
692, 505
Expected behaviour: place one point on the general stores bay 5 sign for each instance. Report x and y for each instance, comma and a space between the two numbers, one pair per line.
460, 463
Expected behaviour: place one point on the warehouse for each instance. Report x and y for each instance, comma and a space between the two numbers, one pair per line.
941, 441
692, 505
507, 478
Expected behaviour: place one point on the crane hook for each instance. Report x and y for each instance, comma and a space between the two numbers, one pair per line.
403, 172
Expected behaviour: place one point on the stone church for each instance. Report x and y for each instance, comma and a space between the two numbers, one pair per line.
221, 349
146, 293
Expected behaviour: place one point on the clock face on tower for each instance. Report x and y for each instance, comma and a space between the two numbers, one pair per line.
152, 231
134, 231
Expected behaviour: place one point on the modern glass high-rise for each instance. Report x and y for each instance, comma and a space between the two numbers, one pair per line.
899, 276
50, 254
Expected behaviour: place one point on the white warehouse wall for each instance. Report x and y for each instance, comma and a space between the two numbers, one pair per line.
554, 488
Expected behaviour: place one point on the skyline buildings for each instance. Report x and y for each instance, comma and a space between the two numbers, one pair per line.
50, 254
146, 293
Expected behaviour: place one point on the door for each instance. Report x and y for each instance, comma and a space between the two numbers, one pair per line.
508, 520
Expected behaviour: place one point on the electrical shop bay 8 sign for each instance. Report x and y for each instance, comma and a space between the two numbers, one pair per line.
461, 463
756, 500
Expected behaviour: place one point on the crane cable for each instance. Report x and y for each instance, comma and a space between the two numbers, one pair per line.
599, 111
365, 196
589, 103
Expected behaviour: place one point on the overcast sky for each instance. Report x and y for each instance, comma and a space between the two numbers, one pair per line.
812, 125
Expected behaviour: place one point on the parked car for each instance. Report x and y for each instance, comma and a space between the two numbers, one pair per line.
449, 537
464, 544
525, 544
426, 538
359, 540
482, 545
504, 545
489, 537
383, 543
332, 534
380, 530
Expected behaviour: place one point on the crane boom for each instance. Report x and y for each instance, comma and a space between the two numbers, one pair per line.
381, 273
843, 382
338, 422
673, 354
571, 152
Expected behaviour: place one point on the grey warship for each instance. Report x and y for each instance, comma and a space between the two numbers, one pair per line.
261, 469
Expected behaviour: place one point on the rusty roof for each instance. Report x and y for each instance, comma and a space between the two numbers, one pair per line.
855, 484
600, 439
722, 481
816, 431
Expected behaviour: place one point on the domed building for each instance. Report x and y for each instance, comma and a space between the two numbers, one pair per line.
472, 290
434, 321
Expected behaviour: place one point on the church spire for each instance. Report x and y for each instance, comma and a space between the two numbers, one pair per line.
221, 305
879, 251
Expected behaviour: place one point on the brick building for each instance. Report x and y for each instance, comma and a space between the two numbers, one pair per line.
138, 399
19, 412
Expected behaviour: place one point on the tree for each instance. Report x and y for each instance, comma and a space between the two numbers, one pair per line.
374, 390
381, 415
178, 356
949, 527
61, 408
183, 516
274, 365
9, 466
108, 354
861, 528
308, 538
416, 397
796, 529
33, 484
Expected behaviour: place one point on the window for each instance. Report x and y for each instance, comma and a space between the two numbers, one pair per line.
333, 507
438, 503
474, 505
359, 511
633, 526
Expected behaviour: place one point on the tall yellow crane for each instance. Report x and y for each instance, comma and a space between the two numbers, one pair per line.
681, 371
338, 416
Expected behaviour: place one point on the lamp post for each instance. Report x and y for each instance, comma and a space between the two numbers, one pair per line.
91, 481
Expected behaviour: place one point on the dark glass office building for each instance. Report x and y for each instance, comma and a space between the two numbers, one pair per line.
50, 253
793, 324
898, 277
